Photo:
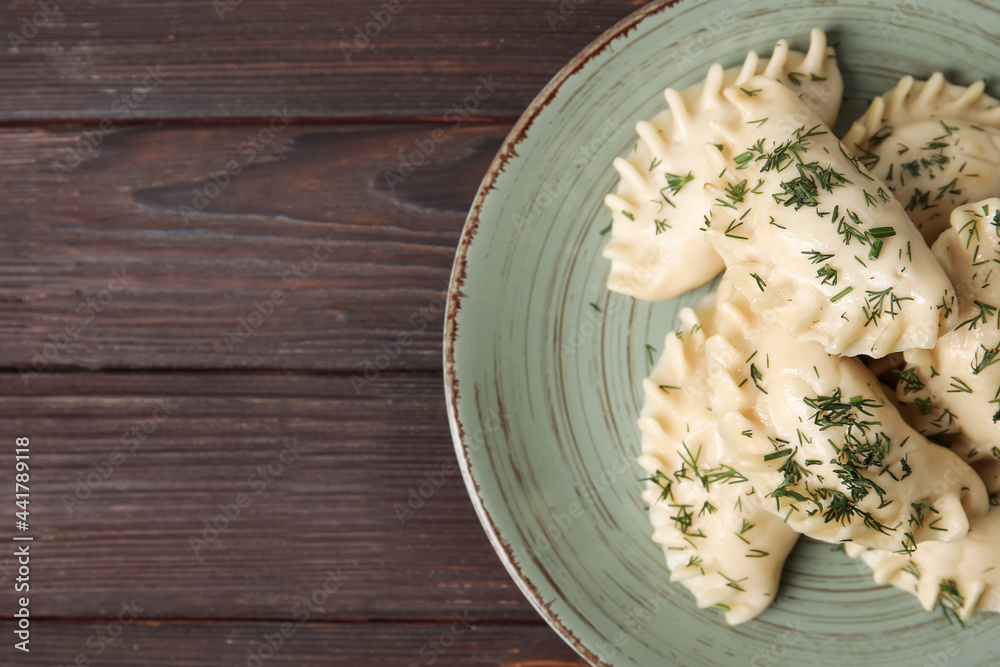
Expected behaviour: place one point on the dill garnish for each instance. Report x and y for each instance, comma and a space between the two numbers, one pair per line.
675, 182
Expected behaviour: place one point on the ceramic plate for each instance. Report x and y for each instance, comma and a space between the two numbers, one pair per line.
544, 390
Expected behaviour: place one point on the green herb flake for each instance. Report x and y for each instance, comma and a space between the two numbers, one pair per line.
650, 353
676, 182
841, 294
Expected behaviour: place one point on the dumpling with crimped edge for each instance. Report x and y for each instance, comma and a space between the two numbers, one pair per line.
935, 144
961, 577
812, 239
718, 540
941, 426
657, 247
952, 392
817, 436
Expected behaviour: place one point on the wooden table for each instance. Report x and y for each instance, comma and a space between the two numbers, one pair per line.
222, 282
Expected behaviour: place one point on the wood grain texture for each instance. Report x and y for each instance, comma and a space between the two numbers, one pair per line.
240, 58
360, 261
134, 279
457, 642
241, 501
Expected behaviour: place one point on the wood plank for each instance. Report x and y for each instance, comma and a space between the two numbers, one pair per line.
202, 274
456, 642
235, 59
211, 513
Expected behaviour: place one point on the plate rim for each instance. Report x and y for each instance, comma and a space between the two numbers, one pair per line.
455, 296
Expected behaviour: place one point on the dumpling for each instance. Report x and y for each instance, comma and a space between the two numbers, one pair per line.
817, 436
936, 145
812, 239
657, 246
952, 392
961, 576
718, 540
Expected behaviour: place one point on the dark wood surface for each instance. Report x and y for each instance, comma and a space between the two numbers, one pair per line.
211, 482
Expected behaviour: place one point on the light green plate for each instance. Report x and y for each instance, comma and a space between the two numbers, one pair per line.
544, 391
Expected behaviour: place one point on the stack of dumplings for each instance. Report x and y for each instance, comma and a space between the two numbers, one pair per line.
843, 382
